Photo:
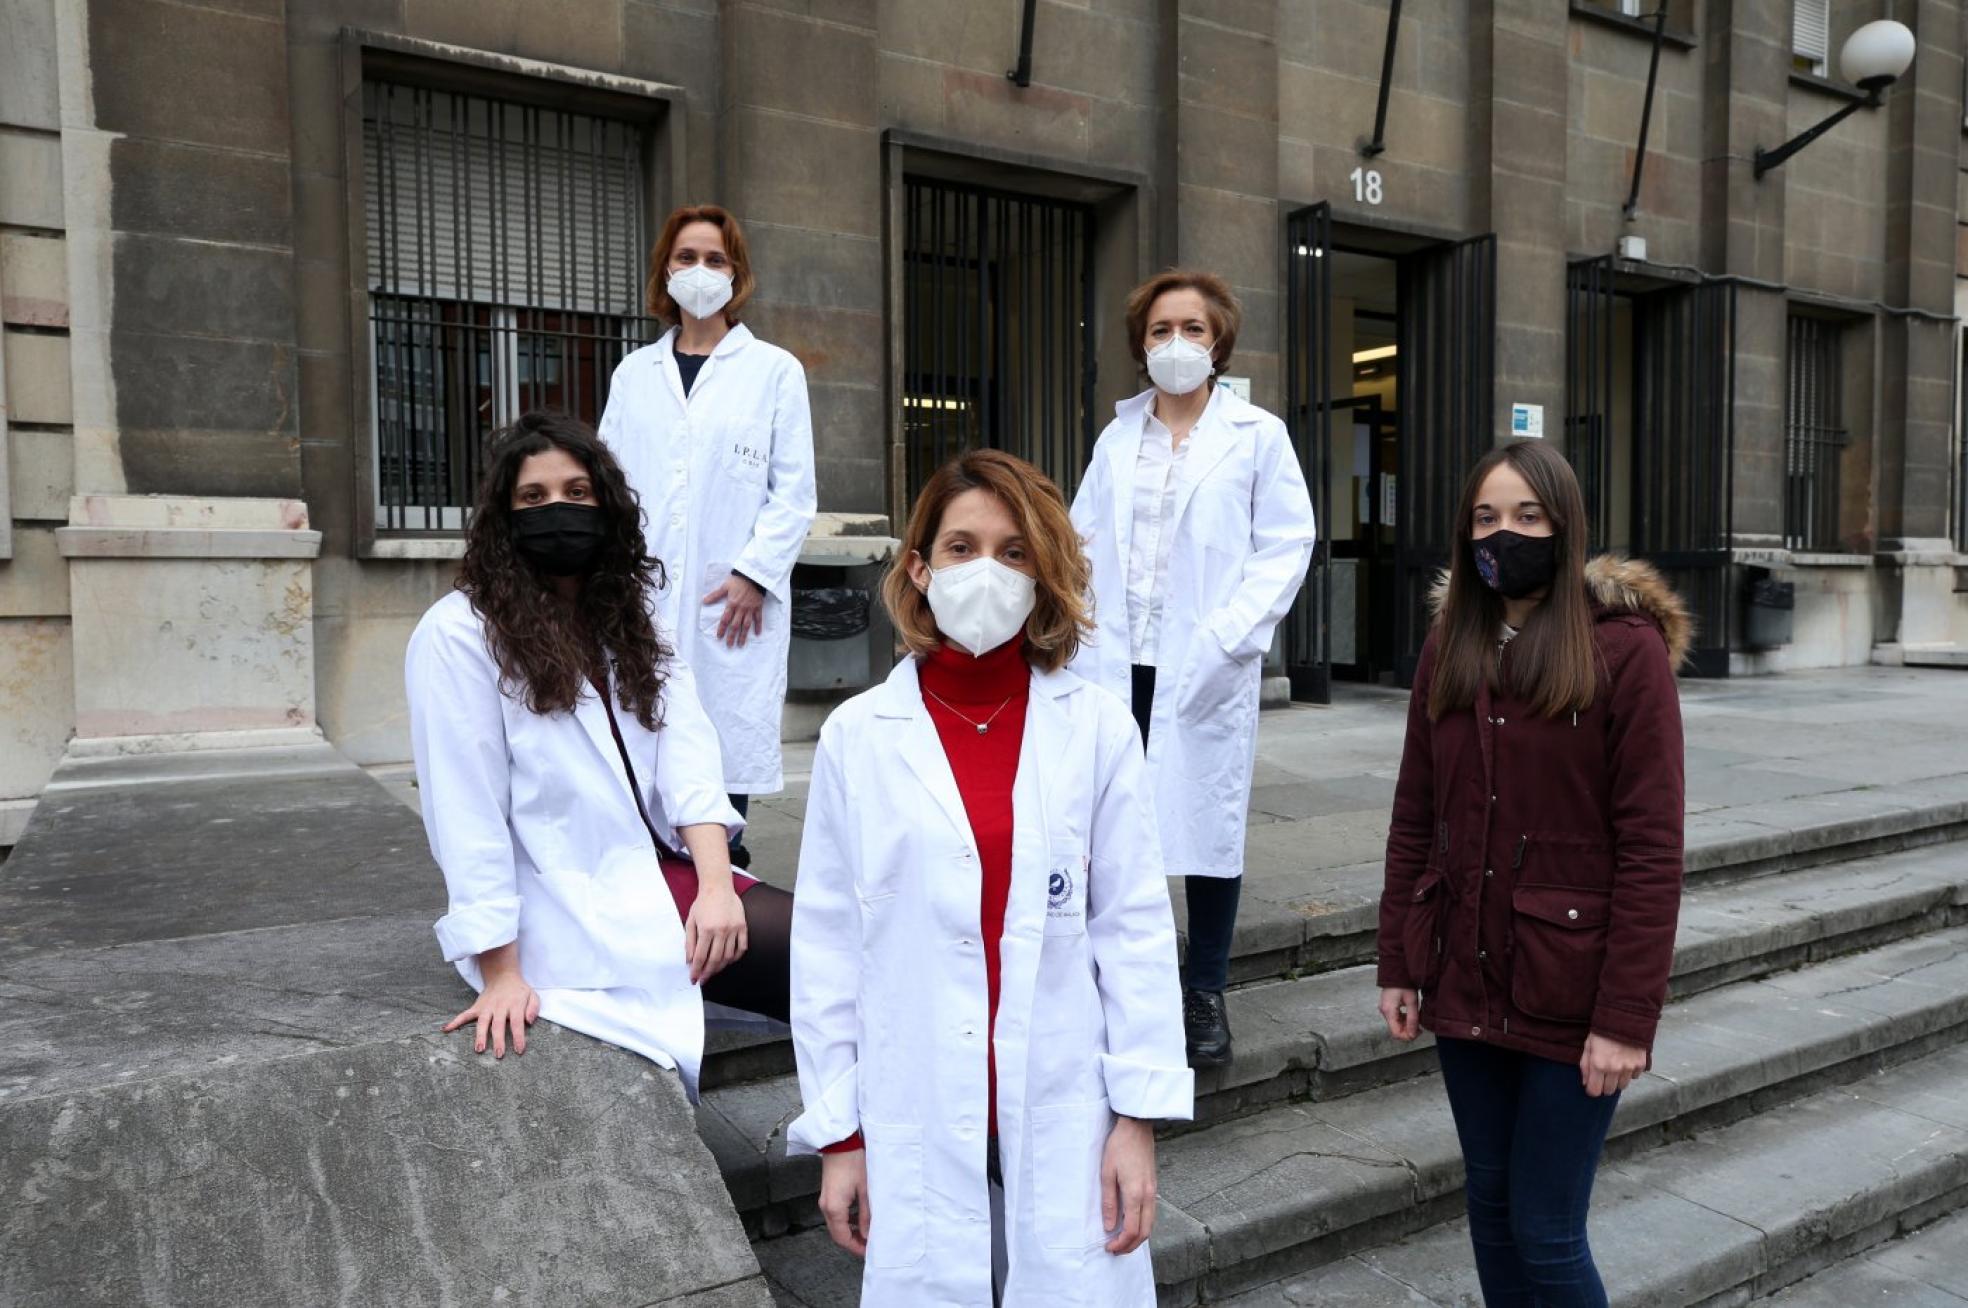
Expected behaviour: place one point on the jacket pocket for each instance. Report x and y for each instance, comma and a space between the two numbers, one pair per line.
1067, 1143
899, 1235
1558, 936
1421, 931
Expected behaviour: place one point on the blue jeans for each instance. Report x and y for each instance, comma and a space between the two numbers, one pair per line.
1531, 1138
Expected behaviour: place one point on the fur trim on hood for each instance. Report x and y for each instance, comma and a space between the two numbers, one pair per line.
1619, 586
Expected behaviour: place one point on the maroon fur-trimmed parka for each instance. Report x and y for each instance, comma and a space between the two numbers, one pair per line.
1534, 864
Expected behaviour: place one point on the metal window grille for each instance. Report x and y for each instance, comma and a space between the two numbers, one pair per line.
1810, 33
1590, 303
998, 329
505, 247
1961, 457
1683, 466
1814, 435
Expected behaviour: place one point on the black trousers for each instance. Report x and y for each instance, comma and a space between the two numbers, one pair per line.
1212, 900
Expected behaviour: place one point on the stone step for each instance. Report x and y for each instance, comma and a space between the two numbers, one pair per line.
1341, 1047
1927, 1269
1331, 925
1316, 918
1320, 1036
1747, 1210
1300, 1185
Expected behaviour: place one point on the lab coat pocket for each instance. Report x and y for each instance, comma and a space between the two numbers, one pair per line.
1068, 1141
898, 1235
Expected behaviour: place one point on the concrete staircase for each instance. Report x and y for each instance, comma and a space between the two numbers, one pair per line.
1805, 1102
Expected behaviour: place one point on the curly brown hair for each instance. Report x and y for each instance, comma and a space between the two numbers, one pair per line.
546, 650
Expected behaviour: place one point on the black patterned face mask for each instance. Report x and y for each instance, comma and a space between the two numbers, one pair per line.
1515, 565
560, 540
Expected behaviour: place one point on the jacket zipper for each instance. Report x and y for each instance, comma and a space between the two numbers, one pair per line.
1517, 862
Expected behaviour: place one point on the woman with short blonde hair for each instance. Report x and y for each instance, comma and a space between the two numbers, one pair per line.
984, 971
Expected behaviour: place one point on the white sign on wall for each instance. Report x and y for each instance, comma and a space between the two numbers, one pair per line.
1527, 420
1237, 386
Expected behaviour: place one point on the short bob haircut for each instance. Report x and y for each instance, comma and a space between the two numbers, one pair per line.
1226, 315
1060, 619
657, 291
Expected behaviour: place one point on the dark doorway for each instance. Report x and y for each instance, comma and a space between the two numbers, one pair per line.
1390, 345
1649, 427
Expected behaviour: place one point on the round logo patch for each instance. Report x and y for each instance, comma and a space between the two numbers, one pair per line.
1059, 888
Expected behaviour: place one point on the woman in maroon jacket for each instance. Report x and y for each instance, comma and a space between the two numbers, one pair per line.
1534, 860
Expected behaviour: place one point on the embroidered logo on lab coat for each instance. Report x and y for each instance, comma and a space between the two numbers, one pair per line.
1059, 893
1059, 889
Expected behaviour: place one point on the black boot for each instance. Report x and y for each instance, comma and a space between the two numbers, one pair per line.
1206, 1022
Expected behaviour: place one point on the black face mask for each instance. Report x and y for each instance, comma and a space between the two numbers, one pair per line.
560, 540
1515, 565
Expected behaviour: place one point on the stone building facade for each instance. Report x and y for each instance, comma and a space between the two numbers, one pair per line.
270, 268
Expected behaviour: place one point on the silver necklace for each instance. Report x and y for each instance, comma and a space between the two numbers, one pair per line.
982, 727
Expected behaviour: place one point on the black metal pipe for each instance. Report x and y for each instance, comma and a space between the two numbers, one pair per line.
1379, 141
1646, 112
1022, 75
1767, 160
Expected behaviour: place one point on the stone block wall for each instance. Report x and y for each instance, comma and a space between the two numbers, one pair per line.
177, 286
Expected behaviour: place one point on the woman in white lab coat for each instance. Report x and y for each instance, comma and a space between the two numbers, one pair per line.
1199, 529
984, 960
711, 425
569, 779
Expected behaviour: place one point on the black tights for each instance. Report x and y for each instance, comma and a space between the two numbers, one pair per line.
761, 981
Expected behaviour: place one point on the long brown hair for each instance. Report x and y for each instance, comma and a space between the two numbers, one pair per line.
544, 649
1553, 662
656, 291
1059, 621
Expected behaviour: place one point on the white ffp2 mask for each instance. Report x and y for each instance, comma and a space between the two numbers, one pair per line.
1179, 365
699, 291
981, 604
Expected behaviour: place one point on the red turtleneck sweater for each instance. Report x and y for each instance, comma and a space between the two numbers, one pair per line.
960, 691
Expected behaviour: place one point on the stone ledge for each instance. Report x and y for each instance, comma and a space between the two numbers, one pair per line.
185, 543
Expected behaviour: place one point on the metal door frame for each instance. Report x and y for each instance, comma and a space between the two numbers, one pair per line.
1590, 301
1447, 346
1684, 471
1308, 416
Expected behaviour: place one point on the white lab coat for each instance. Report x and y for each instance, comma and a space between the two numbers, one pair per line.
1243, 539
890, 1013
532, 820
726, 480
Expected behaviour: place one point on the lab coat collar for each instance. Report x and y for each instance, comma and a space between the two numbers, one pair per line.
900, 696
665, 357
1216, 433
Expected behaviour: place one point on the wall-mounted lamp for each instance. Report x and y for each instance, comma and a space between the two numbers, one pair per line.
1874, 57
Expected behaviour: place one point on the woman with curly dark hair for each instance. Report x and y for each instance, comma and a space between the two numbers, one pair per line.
570, 779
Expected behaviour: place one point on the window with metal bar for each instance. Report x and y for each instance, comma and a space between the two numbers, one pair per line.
998, 328
1814, 435
505, 247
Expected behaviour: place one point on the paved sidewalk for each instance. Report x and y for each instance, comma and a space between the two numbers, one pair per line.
1765, 755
